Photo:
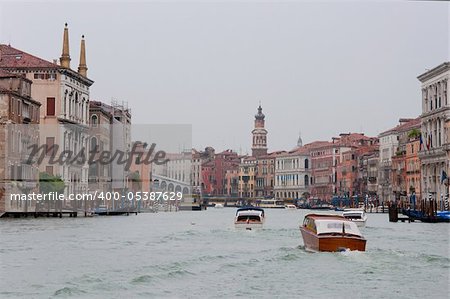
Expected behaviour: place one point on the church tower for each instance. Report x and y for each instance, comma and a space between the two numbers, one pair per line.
259, 145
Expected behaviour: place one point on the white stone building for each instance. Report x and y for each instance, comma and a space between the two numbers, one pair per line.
435, 117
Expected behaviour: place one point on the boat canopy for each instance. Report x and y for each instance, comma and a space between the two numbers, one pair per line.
255, 210
329, 226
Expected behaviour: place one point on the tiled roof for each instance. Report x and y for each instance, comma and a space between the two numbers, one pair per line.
14, 58
403, 126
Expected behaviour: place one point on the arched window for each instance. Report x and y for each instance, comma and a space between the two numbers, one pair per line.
306, 180
94, 120
306, 164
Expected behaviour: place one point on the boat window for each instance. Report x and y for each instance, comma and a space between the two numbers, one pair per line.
251, 218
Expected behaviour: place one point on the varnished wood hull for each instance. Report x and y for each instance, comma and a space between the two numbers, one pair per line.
331, 243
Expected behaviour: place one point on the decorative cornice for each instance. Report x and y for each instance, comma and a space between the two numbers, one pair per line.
440, 69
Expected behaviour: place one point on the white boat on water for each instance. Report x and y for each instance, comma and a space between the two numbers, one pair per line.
356, 215
249, 218
271, 204
218, 206
290, 207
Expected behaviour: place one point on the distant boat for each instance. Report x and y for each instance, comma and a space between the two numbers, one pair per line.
291, 207
249, 218
322, 207
271, 204
382, 209
441, 216
218, 206
358, 216
331, 233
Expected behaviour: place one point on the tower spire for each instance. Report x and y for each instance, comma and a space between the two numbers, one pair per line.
65, 56
82, 68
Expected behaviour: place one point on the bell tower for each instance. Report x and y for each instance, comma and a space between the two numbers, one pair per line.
259, 145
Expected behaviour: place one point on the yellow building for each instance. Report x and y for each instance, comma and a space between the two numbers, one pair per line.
247, 169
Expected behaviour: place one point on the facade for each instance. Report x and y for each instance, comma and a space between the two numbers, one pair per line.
64, 114
368, 173
100, 117
265, 173
434, 121
140, 174
247, 177
351, 179
413, 166
388, 146
120, 141
407, 130
17, 108
292, 174
324, 158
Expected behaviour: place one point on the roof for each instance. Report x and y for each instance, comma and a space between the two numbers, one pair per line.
405, 126
13, 58
436, 71
5, 74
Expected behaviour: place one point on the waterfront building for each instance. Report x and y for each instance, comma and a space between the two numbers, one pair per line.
120, 141
413, 165
324, 156
265, 174
64, 114
435, 116
408, 128
214, 172
17, 109
368, 174
140, 175
196, 172
247, 169
388, 147
292, 174
232, 181
350, 181
100, 116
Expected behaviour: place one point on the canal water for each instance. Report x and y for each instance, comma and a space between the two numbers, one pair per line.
197, 254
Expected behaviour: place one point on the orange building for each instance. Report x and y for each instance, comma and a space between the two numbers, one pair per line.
413, 169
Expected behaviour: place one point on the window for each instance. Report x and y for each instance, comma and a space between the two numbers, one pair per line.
94, 144
50, 142
49, 170
94, 120
51, 106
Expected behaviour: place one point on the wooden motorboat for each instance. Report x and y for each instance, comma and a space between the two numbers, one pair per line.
331, 233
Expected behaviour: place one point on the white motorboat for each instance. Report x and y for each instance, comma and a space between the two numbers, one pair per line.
290, 207
356, 215
218, 206
249, 218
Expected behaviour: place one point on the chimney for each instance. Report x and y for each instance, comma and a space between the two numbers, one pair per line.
65, 56
82, 68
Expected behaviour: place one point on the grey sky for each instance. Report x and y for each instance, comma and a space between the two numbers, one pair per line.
322, 68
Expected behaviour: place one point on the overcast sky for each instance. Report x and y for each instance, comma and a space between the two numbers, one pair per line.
318, 68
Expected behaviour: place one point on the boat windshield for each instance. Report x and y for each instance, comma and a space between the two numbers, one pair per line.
336, 226
248, 218
353, 216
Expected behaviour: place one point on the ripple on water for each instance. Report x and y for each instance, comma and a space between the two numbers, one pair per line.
143, 279
69, 291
